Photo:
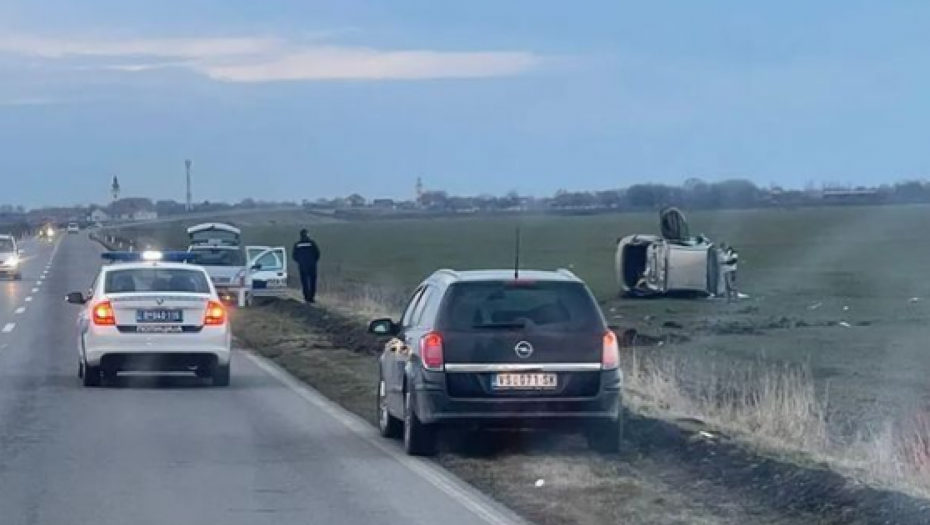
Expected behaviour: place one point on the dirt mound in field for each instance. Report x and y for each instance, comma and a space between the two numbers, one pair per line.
343, 331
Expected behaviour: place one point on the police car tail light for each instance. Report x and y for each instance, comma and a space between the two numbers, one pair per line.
431, 351
104, 315
610, 358
215, 314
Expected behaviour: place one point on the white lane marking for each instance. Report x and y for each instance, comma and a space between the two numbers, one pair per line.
29, 299
34, 290
20, 310
482, 506
9, 327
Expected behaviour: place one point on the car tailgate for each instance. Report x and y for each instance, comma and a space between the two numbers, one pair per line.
568, 364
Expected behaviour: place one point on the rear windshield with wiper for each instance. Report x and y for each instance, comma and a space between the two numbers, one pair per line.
156, 280
517, 305
218, 257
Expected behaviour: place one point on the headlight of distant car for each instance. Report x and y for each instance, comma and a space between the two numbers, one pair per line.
12, 262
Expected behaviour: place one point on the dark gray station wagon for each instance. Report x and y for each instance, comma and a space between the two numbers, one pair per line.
487, 349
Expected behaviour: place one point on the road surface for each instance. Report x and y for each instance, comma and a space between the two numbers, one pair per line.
174, 450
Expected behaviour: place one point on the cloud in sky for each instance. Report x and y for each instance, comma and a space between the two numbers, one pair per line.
267, 59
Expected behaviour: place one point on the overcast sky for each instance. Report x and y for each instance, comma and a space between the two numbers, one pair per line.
293, 99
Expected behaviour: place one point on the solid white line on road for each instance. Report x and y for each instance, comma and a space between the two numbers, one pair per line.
9, 328
29, 299
482, 506
20, 310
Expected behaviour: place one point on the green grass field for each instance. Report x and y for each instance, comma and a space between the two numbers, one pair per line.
877, 252
841, 290
838, 294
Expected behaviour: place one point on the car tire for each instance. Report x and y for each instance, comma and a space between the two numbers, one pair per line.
221, 375
388, 425
607, 437
17, 276
91, 376
419, 439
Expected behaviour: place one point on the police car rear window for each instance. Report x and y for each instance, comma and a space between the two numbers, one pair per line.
503, 305
155, 280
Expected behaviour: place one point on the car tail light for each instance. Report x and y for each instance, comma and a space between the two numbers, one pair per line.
431, 351
610, 357
215, 314
104, 315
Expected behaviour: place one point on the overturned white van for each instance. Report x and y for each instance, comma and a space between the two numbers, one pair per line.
672, 263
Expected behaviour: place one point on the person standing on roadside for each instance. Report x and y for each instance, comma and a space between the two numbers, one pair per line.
730, 262
306, 254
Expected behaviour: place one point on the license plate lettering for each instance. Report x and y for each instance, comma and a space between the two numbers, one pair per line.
159, 316
524, 381
159, 329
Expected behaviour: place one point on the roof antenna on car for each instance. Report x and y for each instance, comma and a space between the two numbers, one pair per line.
516, 256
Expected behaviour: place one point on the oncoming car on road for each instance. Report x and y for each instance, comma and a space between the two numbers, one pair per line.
10, 258
144, 313
485, 349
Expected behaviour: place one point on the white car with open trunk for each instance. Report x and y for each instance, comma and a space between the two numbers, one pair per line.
146, 313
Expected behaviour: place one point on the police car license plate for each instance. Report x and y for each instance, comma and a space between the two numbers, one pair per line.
159, 316
524, 381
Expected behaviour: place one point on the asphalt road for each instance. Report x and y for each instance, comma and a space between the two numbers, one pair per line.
173, 450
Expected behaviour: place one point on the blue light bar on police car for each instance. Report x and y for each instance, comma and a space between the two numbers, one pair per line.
147, 256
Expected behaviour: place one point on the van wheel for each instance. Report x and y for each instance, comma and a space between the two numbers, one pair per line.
606, 437
221, 376
91, 375
419, 439
388, 425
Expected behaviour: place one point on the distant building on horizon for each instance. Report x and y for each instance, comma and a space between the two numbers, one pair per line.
98, 215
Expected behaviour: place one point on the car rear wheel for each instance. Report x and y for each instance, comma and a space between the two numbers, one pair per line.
221, 375
419, 439
91, 375
17, 276
388, 425
607, 437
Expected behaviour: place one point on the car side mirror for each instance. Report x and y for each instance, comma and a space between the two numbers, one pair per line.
383, 327
75, 298
256, 267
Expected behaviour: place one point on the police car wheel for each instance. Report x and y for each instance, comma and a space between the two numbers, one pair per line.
221, 376
91, 376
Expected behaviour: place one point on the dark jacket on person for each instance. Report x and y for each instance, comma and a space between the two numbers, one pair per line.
306, 254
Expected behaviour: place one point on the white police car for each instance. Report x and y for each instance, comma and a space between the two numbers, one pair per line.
151, 311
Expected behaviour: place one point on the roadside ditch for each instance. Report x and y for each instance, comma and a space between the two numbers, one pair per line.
671, 473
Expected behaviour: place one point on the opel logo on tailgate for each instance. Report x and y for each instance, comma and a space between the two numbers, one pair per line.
523, 349
160, 301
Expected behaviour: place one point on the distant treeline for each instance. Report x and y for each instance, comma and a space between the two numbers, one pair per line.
694, 194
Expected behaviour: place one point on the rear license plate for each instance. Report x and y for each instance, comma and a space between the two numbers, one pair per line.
524, 381
159, 316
